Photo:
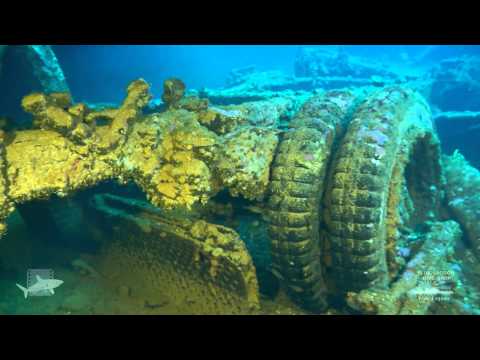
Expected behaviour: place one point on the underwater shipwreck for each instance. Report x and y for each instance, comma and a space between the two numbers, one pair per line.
329, 192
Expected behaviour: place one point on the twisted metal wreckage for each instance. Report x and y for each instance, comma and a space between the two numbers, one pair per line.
342, 189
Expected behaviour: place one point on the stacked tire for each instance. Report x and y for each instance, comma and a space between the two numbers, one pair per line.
336, 194
297, 185
391, 132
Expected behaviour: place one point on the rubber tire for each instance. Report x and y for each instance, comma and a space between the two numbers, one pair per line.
391, 129
295, 194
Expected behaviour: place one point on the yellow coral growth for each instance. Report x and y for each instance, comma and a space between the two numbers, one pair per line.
244, 161
182, 184
170, 155
184, 177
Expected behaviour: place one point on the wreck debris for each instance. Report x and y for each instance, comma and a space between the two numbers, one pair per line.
48, 111
463, 196
426, 279
171, 156
203, 265
238, 75
367, 167
244, 161
173, 91
116, 133
459, 131
313, 62
25, 69
6, 206
42, 63
274, 114
262, 86
453, 84
184, 168
221, 121
55, 112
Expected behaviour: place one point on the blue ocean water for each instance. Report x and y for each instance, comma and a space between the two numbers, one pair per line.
199, 66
